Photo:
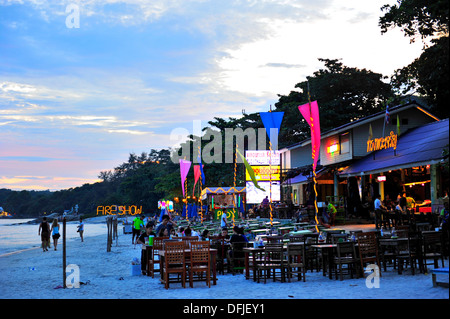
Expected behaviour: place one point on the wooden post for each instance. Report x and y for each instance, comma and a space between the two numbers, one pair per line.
64, 252
109, 234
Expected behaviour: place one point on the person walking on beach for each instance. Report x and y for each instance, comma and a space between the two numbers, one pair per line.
137, 224
81, 229
55, 232
44, 232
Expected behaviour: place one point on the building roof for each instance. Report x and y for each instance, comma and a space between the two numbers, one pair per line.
419, 146
362, 121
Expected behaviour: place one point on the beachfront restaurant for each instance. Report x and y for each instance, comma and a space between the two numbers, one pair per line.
341, 148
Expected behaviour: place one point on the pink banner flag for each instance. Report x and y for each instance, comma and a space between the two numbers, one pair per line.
197, 174
310, 112
184, 170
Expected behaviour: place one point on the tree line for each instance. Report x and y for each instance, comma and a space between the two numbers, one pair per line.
343, 93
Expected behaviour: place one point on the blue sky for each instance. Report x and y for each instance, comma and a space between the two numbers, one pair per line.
76, 101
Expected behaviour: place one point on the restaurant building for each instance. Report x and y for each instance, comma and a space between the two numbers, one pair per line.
378, 154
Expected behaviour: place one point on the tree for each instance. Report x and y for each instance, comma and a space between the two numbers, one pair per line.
428, 74
344, 94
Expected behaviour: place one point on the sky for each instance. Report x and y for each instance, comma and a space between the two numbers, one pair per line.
85, 83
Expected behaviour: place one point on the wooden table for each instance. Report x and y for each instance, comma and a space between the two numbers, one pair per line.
387, 242
187, 253
327, 250
252, 252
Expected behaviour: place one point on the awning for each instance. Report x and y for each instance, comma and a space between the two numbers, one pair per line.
422, 145
300, 179
222, 190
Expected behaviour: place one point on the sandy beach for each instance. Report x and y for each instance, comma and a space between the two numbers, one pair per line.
33, 274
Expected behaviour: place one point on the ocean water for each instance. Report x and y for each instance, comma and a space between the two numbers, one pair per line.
15, 235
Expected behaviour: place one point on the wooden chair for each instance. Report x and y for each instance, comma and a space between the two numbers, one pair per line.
158, 243
313, 256
188, 239
200, 261
273, 261
346, 255
174, 262
432, 248
336, 238
407, 253
274, 239
236, 257
296, 238
218, 242
368, 249
296, 261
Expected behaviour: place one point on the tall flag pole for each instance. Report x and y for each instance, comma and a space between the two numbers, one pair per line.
271, 120
310, 112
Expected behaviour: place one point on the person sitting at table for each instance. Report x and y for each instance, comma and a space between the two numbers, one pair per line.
238, 235
180, 232
225, 233
166, 223
205, 235
188, 232
380, 210
142, 239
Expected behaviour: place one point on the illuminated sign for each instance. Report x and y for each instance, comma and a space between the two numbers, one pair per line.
264, 173
333, 148
381, 178
119, 210
382, 143
263, 157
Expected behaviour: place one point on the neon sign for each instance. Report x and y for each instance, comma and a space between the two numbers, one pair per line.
382, 143
333, 148
119, 210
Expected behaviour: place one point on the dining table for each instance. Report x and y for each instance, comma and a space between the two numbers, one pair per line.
393, 242
251, 254
187, 254
328, 253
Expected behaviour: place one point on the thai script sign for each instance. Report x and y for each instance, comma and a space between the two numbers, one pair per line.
382, 143
265, 173
263, 157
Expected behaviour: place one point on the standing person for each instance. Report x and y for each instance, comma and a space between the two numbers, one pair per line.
55, 232
137, 224
379, 212
81, 229
44, 232
223, 219
142, 239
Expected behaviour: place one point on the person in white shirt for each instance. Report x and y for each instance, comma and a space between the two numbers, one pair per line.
380, 217
223, 219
